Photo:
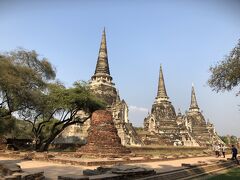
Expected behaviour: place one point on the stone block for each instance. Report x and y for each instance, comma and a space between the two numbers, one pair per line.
186, 165
9, 168
126, 158
12, 177
89, 172
33, 176
133, 155
72, 177
29, 156
175, 156
146, 158
107, 176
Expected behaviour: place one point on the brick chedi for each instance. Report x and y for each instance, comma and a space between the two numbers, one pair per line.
103, 139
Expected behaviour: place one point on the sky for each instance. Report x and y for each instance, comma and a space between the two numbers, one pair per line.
186, 37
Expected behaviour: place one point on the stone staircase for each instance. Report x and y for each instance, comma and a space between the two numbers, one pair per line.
134, 136
201, 135
157, 139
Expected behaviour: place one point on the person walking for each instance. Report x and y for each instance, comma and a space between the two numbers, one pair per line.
223, 150
234, 154
217, 150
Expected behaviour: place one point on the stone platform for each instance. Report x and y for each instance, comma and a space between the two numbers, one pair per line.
10, 170
74, 159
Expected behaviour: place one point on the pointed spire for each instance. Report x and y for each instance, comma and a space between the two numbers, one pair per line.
193, 105
102, 72
162, 93
102, 66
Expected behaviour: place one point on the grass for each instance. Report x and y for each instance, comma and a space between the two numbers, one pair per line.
231, 174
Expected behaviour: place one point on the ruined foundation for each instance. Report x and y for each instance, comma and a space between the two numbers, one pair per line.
103, 140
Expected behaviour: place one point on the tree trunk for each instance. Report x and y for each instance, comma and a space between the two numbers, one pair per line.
45, 145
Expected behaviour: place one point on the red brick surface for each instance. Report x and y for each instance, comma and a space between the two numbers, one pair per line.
103, 138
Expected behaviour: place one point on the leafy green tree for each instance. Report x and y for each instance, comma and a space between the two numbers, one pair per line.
225, 139
27, 88
229, 140
23, 76
226, 74
233, 140
7, 123
58, 110
21, 130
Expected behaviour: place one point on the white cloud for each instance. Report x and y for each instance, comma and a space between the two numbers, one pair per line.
135, 108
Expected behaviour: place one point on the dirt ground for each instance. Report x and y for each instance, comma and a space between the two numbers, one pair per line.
53, 170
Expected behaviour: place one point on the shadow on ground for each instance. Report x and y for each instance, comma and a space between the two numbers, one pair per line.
231, 174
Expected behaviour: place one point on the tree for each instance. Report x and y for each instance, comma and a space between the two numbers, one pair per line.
21, 130
59, 109
27, 88
225, 139
6, 124
23, 76
233, 139
229, 140
226, 74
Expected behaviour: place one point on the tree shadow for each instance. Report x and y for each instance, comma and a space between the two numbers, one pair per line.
10, 161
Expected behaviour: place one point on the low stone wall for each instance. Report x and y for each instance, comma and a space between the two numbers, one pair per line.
166, 150
72, 159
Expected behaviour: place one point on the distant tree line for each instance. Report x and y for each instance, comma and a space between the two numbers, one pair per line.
229, 140
33, 103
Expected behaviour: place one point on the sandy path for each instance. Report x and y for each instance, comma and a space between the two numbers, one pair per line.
53, 170
162, 166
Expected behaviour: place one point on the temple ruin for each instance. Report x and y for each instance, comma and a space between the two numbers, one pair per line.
103, 140
161, 127
164, 125
102, 86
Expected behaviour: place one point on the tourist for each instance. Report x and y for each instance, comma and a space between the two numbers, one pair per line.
234, 153
223, 150
217, 150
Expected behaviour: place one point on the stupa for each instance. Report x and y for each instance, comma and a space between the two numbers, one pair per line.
103, 140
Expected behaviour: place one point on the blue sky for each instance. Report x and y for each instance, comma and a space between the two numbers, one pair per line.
186, 37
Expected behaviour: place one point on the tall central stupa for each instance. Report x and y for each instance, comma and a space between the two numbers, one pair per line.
101, 82
162, 120
102, 86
